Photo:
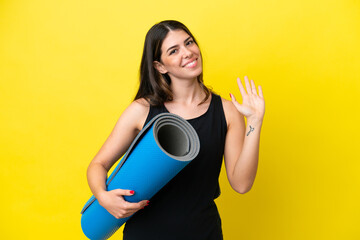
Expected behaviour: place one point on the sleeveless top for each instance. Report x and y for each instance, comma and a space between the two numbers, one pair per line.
184, 208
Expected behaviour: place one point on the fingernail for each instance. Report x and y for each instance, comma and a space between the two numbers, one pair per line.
230, 95
132, 192
147, 202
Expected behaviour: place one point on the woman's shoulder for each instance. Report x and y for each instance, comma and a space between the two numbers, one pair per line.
141, 104
137, 112
230, 111
226, 104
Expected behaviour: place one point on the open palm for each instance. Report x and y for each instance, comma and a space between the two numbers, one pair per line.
253, 105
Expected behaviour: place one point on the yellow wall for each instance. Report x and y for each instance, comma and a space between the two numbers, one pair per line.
69, 68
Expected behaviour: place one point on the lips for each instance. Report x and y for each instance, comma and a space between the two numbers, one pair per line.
192, 60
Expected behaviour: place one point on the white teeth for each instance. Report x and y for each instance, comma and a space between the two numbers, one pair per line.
190, 64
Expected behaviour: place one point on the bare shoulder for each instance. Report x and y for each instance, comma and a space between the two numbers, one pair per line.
231, 113
136, 113
125, 130
140, 105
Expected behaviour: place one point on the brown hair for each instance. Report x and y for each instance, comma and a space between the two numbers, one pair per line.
154, 86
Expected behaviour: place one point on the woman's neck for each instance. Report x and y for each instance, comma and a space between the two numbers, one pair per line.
186, 91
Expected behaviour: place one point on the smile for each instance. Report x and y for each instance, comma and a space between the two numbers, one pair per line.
191, 64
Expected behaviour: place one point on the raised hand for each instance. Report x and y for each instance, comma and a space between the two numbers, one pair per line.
253, 105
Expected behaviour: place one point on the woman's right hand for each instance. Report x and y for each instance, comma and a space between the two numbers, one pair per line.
116, 205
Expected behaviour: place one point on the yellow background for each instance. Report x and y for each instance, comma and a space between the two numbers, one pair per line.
69, 68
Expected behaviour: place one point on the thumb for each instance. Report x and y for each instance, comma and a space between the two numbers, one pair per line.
124, 192
236, 104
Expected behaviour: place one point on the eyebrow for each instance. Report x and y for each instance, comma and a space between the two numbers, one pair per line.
177, 45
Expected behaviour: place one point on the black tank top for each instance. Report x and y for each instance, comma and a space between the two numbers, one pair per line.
185, 208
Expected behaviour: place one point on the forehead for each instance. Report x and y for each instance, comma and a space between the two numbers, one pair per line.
174, 37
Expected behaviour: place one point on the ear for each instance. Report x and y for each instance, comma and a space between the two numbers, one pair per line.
158, 66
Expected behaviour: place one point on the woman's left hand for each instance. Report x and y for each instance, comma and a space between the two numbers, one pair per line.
253, 106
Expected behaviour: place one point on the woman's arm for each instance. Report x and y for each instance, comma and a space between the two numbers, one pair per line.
241, 152
127, 127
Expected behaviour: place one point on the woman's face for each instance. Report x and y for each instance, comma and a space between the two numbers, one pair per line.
180, 57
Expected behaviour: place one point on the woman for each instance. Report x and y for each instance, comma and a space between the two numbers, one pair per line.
171, 81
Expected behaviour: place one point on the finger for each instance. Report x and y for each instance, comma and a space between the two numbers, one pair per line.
233, 99
236, 104
253, 88
247, 85
124, 192
128, 206
241, 88
260, 92
123, 214
145, 203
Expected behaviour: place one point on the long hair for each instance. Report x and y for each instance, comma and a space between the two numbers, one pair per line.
154, 86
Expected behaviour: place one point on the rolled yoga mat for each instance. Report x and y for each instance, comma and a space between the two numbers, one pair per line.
160, 151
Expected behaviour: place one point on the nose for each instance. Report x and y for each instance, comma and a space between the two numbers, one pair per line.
187, 53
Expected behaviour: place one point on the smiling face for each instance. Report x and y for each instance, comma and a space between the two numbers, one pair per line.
180, 56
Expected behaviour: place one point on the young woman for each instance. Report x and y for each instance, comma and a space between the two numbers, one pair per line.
171, 80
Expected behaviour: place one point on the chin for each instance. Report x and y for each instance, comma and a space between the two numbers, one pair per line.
189, 75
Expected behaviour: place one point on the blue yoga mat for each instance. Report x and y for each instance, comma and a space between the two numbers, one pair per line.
160, 151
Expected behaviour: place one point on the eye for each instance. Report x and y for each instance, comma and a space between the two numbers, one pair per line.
191, 41
173, 51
